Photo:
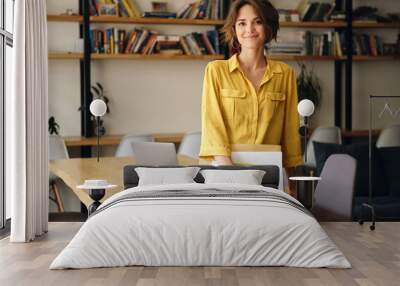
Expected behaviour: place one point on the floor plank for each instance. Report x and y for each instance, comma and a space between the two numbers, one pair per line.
375, 257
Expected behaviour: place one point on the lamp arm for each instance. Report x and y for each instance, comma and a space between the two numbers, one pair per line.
305, 138
98, 137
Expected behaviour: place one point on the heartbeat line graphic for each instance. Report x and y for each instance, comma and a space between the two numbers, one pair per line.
388, 109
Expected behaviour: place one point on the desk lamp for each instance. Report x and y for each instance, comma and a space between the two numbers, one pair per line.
305, 109
98, 108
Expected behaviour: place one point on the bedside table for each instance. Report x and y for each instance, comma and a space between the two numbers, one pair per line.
97, 190
305, 189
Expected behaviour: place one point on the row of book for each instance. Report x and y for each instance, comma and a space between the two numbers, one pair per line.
330, 43
124, 8
290, 42
370, 45
205, 9
325, 44
143, 41
315, 11
202, 9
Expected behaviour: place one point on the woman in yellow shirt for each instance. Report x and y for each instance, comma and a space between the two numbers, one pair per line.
250, 99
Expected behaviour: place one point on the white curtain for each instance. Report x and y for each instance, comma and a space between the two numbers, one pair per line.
26, 119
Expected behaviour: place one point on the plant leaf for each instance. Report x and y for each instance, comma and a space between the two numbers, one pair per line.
100, 86
96, 90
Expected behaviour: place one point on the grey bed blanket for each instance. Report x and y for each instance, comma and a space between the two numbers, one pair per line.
205, 193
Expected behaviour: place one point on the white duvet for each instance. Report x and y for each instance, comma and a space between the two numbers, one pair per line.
200, 231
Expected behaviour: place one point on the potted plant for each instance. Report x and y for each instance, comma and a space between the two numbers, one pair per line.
53, 126
308, 85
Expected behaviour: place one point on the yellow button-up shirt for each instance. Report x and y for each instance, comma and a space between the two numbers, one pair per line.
233, 112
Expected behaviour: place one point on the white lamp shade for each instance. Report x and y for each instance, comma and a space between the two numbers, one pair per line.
305, 108
98, 107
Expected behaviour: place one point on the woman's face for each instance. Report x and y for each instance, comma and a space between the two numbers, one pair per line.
249, 28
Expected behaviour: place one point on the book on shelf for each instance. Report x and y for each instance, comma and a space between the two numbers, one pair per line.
143, 41
169, 44
307, 43
286, 15
202, 9
370, 45
126, 8
315, 11
215, 40
289, 42
323, 44
205, 9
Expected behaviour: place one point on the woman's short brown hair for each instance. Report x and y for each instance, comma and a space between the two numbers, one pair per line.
266, 11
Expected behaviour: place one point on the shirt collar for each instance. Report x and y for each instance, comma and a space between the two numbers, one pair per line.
272, 66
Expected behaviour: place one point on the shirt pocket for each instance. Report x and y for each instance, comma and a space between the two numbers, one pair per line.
276, 96
235, 106
273, 105
232, 93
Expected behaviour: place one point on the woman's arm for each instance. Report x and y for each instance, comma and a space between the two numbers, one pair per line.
214, 137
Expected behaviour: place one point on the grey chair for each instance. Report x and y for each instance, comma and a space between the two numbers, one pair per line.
154, 154
389, 137
124, 148
57, 151
190, 145
329, 134
333, 197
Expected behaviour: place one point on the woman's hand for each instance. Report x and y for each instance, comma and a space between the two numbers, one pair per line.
223, 160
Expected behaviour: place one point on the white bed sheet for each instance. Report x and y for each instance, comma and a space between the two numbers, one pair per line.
206, 231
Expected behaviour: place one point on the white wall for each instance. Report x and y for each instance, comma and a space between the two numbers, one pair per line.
165, 96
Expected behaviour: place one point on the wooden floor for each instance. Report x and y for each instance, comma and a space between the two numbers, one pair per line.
375, 257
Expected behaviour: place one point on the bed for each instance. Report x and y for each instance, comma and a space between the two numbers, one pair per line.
197, 224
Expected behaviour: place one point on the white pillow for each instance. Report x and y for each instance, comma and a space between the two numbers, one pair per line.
165, 176
248, 177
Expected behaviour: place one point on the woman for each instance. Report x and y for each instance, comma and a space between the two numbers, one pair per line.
249, 99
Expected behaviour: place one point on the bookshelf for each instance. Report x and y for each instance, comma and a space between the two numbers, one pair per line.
343, 77
155, 21
64, 18
137, 20
313, 25
79, 56
87, 22
65, 56
285, 57
155, 57
366, 25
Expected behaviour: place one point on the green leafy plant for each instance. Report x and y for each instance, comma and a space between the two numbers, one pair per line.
308, 85
53, 126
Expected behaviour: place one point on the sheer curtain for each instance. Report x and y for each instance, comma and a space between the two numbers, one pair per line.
26, 119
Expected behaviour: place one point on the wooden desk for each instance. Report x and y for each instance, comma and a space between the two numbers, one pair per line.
116, 139
75, 171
